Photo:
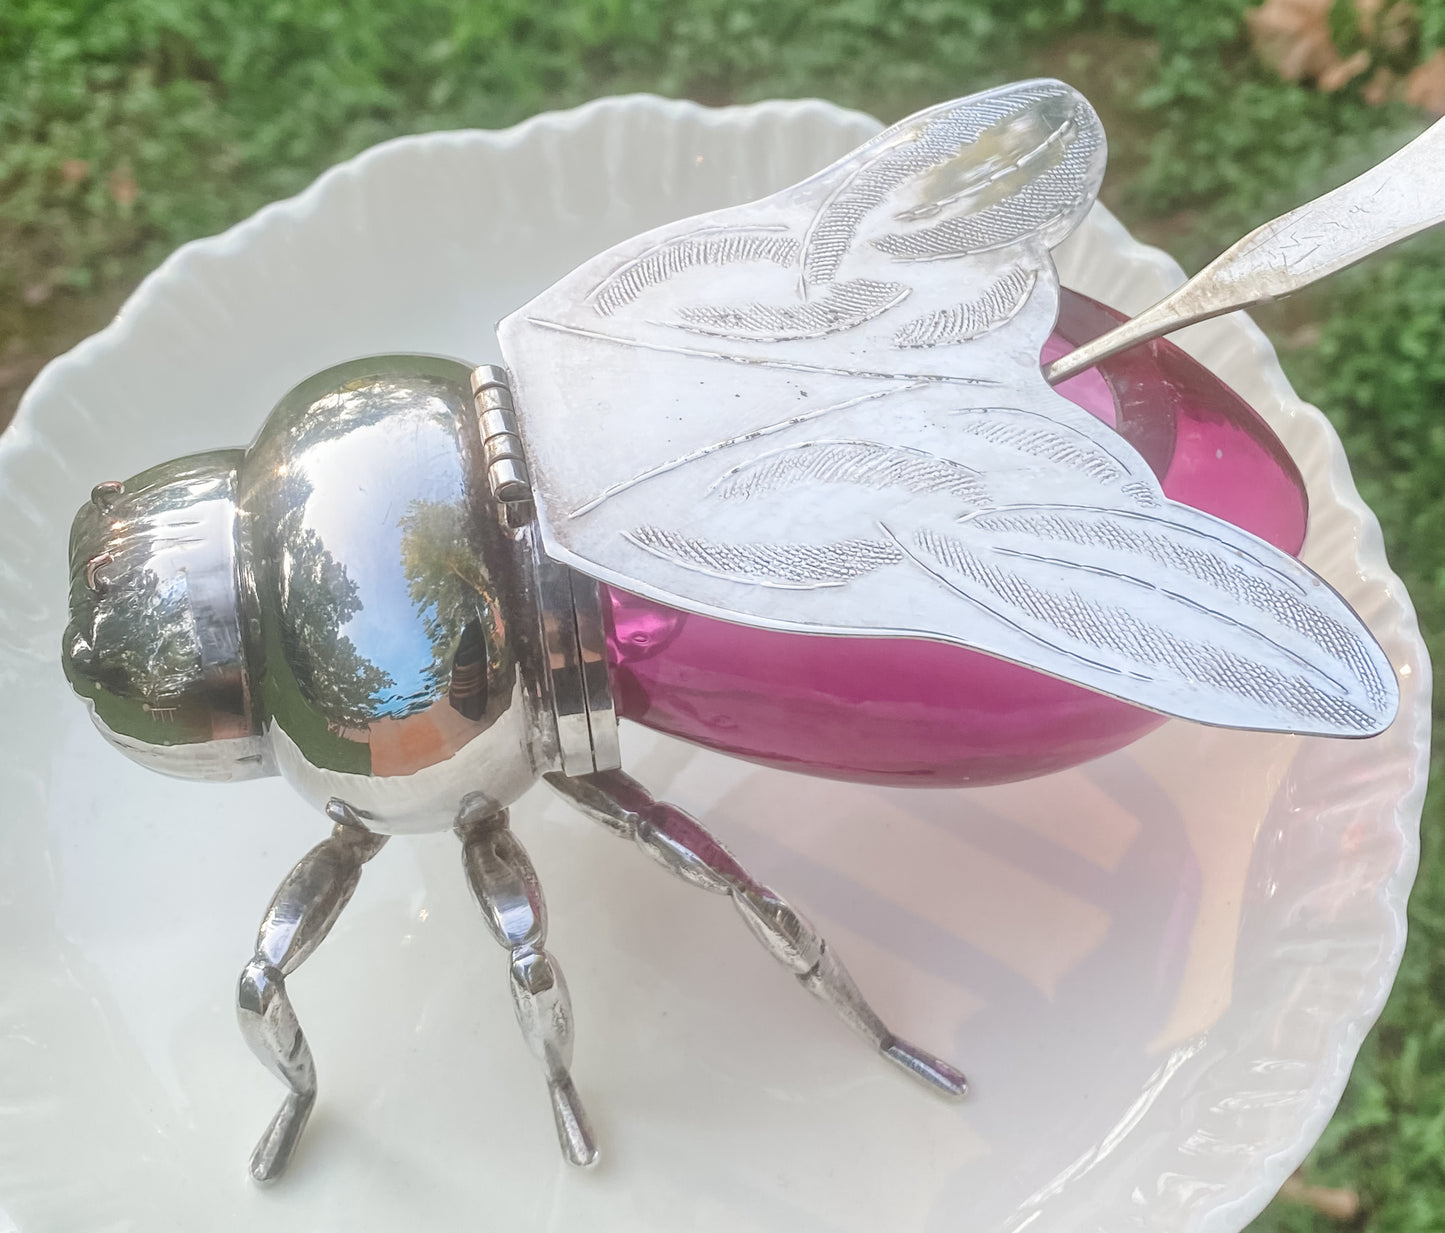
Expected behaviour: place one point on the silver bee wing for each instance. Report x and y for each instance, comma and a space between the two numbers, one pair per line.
823, 412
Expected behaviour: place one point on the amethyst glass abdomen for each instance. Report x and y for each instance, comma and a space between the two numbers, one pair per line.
907, 711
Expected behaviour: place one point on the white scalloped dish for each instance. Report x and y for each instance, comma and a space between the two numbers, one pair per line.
1156, 968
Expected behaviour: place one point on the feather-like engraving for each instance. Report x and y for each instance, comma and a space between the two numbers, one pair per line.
1141, 493
997, 306
978, 157
1148, 649
1182, 553
845, 306
869, 463
1046, 197
725, 246
1043, 440
1046, 210
792, 566
1143, 601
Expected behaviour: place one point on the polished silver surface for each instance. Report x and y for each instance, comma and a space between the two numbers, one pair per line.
394, 602
576, 680
574, 658
563, 681
596, 672
823, 412
299, 917
155, 643
506, 887
345, 603
1392, 201
684, 847
501, 446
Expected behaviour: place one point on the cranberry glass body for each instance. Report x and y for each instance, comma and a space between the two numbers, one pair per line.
908, 711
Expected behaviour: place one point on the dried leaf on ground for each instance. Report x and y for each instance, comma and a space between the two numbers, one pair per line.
1380, 88
1337, 1203
123, 188
1294, 37
1344, 71
1297, 38
1425, 86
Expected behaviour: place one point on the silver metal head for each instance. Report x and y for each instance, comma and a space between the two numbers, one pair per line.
156, 639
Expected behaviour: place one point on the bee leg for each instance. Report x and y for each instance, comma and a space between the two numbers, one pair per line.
684, 847
304, 908
505, 885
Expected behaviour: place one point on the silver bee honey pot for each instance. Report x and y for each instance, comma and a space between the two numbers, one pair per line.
787, 480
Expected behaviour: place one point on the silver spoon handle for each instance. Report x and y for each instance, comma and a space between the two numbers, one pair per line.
1393, 200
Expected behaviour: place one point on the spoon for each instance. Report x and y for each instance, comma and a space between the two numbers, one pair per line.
1392, 201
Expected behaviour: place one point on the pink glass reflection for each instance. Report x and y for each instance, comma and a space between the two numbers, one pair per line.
907, 711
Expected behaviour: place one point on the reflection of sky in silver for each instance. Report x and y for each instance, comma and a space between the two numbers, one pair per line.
358, 517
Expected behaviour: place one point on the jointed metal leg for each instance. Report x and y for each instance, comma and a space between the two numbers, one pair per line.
684, 847
302, 912
506, 887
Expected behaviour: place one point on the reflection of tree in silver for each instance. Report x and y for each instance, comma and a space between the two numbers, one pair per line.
331, 674
448, 586
161, 655
345, 410
143, 564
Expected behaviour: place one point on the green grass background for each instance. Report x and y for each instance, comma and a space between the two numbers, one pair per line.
129, 126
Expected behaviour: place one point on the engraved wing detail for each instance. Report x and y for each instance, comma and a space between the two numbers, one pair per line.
824, 412
850, 462
717, 247
802, 565
845, 306
1013, 165
1086, 583
963, 322
1135, 598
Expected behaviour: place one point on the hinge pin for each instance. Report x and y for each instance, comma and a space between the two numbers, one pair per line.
501, 441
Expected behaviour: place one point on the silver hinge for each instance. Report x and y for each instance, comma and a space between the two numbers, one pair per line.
574, 657
501, 440
569, 604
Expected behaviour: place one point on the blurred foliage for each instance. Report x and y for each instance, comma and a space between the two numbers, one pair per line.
128, 126
135, 124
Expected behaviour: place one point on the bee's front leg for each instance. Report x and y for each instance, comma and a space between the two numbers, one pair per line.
301, 914
684, 847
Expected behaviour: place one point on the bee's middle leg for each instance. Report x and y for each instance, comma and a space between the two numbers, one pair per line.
304, 908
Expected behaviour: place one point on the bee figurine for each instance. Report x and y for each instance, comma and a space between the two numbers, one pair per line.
427, 585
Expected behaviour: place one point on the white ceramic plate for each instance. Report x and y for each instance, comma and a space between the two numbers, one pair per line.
1156, 968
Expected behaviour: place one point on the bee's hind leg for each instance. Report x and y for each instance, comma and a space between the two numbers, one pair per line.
304, 908
684, 847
